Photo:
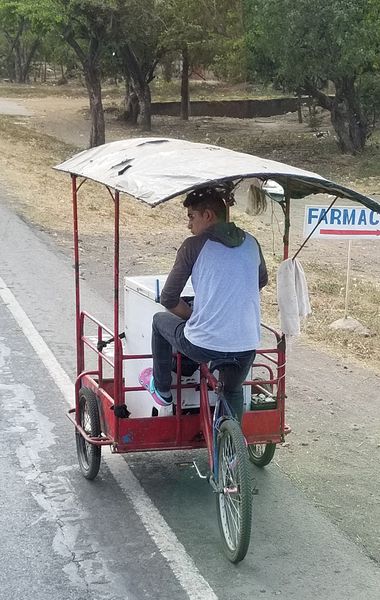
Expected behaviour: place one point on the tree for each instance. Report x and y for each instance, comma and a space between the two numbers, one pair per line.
21, 40
230, 60
181, 33
86, 26
135, 46
194, 29
307, 43
86, 41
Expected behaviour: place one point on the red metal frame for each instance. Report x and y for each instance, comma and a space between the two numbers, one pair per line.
179, 431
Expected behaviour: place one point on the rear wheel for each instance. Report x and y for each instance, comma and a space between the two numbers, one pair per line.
234, 501
89, 455
261, 454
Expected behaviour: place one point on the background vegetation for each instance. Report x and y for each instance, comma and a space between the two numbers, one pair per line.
325, 49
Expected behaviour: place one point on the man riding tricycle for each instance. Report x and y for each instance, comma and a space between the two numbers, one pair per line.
205, 382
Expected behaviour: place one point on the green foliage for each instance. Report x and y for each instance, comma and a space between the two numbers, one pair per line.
369, 89
302, 45
231, 55
137, 24
85, 24
212, 30
18, 38
312, 40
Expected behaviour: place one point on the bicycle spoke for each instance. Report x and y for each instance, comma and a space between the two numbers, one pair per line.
233, 518
230, 479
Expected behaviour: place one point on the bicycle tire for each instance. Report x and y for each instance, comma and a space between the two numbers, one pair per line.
89, 455
234, 500
261, 457
258, 455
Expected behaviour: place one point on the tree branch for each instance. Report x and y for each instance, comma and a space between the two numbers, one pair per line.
16, 38
29, 58
323, 99
68, 35
150, 74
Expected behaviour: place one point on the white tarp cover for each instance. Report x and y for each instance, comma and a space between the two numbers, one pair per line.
156, 169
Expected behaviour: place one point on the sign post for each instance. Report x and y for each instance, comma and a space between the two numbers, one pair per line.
347, 279
342, 222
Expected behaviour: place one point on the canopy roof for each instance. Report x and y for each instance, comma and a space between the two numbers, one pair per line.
156, 169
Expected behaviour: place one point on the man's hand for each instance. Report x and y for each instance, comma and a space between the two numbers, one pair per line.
182, 310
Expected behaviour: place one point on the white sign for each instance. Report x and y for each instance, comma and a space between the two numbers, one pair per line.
343, 222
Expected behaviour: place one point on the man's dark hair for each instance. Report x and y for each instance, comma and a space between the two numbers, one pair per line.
208, 198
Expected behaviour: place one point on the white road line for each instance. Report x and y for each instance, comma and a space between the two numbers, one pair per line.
170, 547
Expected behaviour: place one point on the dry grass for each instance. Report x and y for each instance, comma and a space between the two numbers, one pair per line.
327, 292
327, 296
28, 158
41, 90
162, 91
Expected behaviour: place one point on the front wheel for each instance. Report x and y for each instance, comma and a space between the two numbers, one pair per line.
261, 454
234, 499
89, 455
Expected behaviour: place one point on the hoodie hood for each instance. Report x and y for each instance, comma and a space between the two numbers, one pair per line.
227, 234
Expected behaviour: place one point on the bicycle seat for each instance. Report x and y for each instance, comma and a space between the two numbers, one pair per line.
220, 363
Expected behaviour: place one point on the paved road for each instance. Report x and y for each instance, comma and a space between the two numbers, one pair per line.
67, 538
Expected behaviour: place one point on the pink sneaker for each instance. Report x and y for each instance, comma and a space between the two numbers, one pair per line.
147, 381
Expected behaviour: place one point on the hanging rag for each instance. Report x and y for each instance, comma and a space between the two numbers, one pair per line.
292, 296
257, 198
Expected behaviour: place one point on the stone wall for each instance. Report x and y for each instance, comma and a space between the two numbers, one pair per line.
239, 109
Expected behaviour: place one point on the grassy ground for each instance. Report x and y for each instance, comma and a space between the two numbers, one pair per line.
327, 297
161, 90
327, 291
39, 90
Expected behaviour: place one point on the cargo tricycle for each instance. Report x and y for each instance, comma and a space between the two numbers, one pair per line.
111, 407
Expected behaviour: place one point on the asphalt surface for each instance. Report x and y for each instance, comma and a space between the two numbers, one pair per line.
66, 538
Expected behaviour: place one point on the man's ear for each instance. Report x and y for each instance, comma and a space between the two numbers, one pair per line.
210, 215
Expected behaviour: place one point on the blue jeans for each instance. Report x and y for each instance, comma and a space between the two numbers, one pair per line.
168, 337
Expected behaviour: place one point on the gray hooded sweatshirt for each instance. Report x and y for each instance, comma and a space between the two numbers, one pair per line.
227, 270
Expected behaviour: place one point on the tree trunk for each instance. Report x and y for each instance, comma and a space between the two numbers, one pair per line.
94, 89
91, 71
299, 107
13, 60
131, 104
18, 63
145, 103
347, 117
140, 86
24, 60
132, 108
185, 97
167, 67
